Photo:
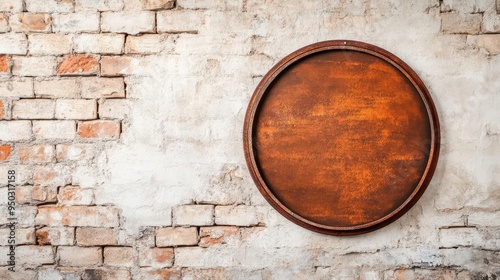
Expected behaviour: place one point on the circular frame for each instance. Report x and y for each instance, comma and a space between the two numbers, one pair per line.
259, 93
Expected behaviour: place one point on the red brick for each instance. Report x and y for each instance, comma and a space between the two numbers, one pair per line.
156, 257
65, 152
55, 236
99, 129
36, 153
176, 236
74, 195
216, 235
2, 109
114, 65
119, 256
81, 216
5, 152
95, 236
52, 175
4, 63
44, 194
79, 256
78, 65
30, 22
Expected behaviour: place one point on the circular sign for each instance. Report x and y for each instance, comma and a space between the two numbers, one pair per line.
341, 137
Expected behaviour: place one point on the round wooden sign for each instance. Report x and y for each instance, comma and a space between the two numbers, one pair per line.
341, 137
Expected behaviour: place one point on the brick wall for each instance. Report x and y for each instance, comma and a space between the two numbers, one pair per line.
123, 119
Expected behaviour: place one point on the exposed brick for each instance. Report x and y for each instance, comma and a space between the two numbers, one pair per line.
130, 22
158, 274
460, 23
30, 22
216, 235
52, 175
25, 215
5, 151
50, 44
176, 236
114, 108
94, 87
13, 43
5, 61
74, 195
24, 194
81, 216
11, 5
79, 256
63, 130
491, 22
157, 4
76, 22
114, 65
2, 109
17, 88
240, 215
24, 174
100, 43
15, 130
78, 65
92, 5
194, 215
60, 273
34, 255
149, 43
119, 256
33, 109
106, 274
23, 236
76, 109
4, 24
57, 88
49, 6
55, 236
488, 42
99, 129
44, 194
95, 236
156, 257
66, 152
180, 21
36, 153
485, 219
34, 66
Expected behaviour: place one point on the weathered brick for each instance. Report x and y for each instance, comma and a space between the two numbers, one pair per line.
130, 22
119, 256
488, 42
455, 23
79, 256
2, 109
149, 44
76, 109
217, 235
34, 66
52, 175
194, 215
25, 215
74, 195
158, 274
44, 194
21, 273
36, 153
57, 88
59, 273
55, 236
71, 152
240, 215
4, 23
92, 5
24, 174
24, 194
23, 236
100, 43
156, 257
176, 236
99, 129
5, 151
49, 6
15, 130
465, 6
35, 255
106, 274
158, 4
94, 87
95, 236
180, 21
50, 44
30, 22
17, 88
81, 216
33, 109
5, 61
491, 22
13, 43
78, 65
11, 5
76, 22
114, 108
485, 219
48, 130
115, 65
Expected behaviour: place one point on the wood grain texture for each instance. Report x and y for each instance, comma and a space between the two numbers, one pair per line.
341, 137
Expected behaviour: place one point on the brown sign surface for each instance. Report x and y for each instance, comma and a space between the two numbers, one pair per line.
341, 137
